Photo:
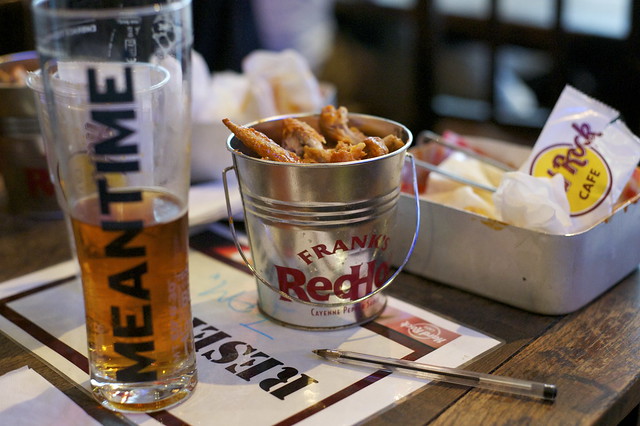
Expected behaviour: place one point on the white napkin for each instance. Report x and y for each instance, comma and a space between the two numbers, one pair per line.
464, 197
443, 190
26, 398
534, 203
282, 83
271, 83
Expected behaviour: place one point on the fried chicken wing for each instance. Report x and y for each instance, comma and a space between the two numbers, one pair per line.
347, 152
334, 124
375, 146
297, 134
261, 144
341, 153
301, 143
316, 155
393, 142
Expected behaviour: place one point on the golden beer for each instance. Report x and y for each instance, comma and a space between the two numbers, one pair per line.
115, 92
137, 303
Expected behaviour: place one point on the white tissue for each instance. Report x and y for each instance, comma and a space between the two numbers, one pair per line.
463, 198
445, 191
200, 81
271, 83
534, 203
461, 165
227, 96
282, 82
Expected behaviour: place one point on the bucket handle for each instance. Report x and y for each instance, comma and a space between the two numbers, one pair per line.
326, 305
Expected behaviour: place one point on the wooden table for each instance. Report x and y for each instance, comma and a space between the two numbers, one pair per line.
592, 355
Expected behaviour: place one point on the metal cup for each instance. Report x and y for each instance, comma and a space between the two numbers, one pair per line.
320, 234
23, 163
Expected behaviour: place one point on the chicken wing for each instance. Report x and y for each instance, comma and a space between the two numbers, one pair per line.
375, 146
341, 153
393, 142
261, 144
297, 134
347, 152
334, 124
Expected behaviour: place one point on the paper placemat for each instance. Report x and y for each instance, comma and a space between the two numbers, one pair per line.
44, 312
207, 202
27, 398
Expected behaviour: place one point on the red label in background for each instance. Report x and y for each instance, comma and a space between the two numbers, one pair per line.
38, 182
416, 328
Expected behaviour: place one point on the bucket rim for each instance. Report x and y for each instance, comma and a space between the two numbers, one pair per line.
19, 59
236, 153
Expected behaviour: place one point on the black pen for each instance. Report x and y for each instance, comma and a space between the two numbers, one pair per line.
457, 376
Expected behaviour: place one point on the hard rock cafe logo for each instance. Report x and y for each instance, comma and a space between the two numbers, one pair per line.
587, 177
424, 331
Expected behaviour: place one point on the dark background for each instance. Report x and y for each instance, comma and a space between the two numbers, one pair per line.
427, 67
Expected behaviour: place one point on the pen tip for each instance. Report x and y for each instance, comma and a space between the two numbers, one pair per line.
327, 353
550, 392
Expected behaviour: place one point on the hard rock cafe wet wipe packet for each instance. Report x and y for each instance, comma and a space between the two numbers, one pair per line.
578, 168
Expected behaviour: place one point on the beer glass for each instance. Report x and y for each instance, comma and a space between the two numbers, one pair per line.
116, 80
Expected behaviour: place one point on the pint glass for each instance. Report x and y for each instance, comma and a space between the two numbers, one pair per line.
116, 80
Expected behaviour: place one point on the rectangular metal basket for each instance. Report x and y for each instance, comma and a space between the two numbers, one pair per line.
532, 270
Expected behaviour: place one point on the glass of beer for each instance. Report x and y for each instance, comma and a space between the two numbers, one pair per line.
116, 77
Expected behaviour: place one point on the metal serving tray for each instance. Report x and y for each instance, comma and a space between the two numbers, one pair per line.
532, 270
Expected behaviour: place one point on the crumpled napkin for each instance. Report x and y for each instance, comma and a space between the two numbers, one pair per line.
27, 398
463, 198
443, 190
271, 83
533, 202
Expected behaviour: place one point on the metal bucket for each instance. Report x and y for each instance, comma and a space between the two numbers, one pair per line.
320, 234
23, 162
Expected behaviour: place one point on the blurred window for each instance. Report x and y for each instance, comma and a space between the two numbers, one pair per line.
480, 9
534, 13
606, 18
399, 4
